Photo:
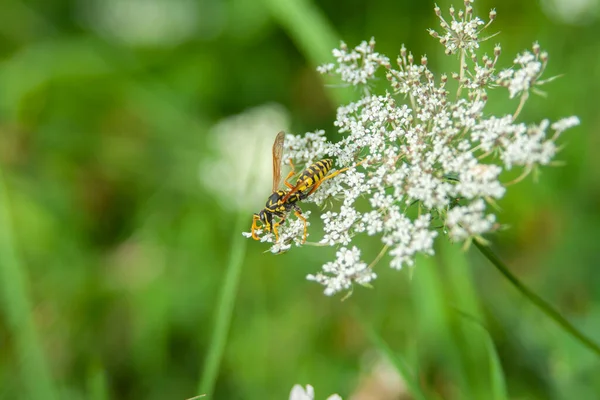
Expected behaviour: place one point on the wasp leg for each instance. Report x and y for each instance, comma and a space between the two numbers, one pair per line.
298, 213
292, 173
275, 225
288, 184
254, 227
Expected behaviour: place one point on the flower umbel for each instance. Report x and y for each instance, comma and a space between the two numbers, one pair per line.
431, 156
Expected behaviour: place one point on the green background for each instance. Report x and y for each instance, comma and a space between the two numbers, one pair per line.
113, 255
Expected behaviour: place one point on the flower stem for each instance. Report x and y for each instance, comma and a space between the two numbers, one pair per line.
538, 301
524, 98
379, 256
225, 305
461, 72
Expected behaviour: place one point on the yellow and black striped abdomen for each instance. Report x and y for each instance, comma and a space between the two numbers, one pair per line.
313, 174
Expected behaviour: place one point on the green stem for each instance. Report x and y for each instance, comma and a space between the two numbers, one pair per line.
538, 301
17, 310
461, 72
524, 98
224, 308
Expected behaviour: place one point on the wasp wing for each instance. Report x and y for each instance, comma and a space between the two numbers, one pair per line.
277, 155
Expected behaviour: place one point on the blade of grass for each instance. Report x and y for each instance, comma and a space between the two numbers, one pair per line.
311, 31
307, 26
437, 331
460, 291
17, 309
498, 384
545, 307
224, 308
457, 276
396, 360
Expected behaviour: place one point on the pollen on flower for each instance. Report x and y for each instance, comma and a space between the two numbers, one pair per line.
419, 160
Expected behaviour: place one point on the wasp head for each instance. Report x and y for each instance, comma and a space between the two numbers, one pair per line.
266, 218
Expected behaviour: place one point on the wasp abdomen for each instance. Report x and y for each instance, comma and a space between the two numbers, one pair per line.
314, 174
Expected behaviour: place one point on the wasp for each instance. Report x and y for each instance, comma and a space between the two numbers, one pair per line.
282, 202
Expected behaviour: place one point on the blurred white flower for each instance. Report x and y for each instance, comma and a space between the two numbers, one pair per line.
575, 12
300, 393
239, 171
152, 22
427, 161
379, 379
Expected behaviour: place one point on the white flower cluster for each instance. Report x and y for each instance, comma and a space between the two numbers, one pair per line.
528, 69
308, 393
463, 32
356, 66
426, 155
345, 270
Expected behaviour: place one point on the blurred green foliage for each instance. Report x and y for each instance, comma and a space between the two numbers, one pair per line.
113, 255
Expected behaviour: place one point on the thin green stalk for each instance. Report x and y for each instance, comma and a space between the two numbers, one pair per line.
97, 387
497, 382
16, 305
538, 301
224, 308
309, 28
